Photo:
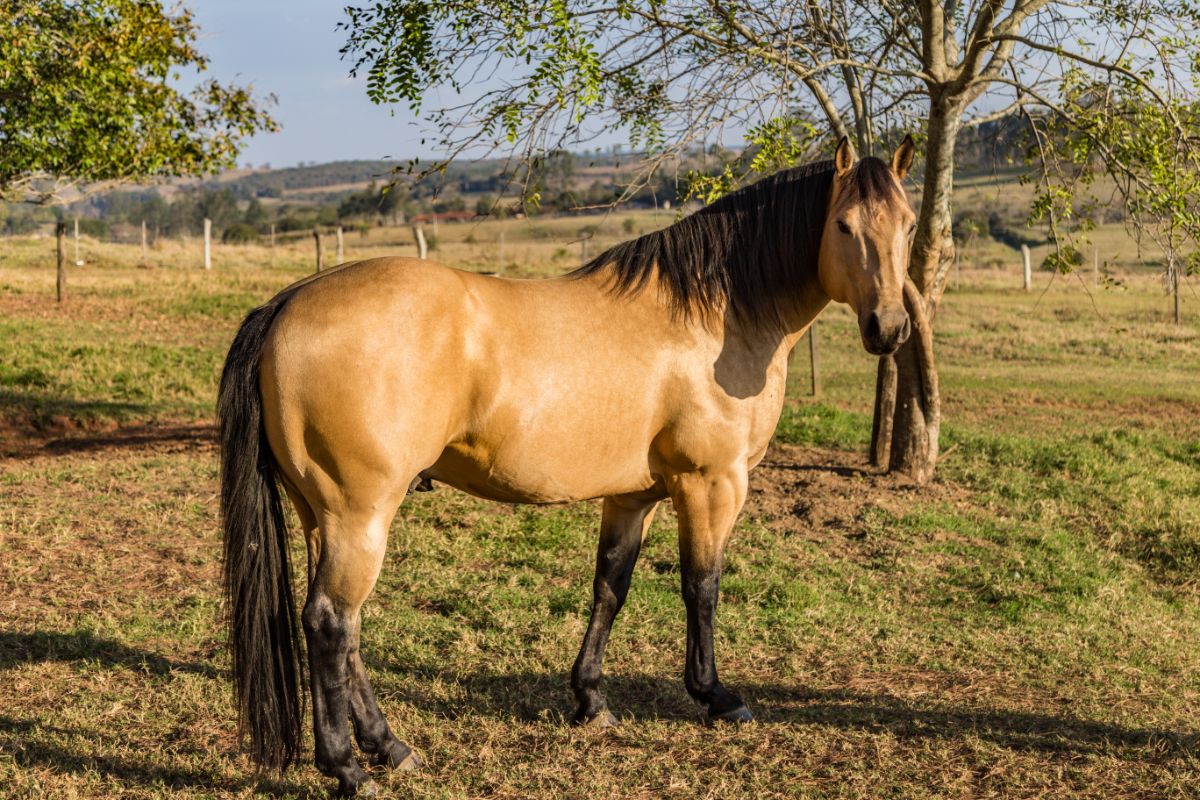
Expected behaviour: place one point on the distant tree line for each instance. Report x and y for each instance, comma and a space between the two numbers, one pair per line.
245, 208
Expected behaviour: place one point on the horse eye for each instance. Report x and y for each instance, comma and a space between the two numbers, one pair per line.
843, 227
912, 229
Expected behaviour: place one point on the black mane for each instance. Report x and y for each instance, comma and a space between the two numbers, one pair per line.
743, 253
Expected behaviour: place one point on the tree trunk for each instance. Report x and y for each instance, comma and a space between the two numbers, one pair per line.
885, 409
1173, 272
904, 435
918, 414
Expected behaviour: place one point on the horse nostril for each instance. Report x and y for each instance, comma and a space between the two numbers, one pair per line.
872, 329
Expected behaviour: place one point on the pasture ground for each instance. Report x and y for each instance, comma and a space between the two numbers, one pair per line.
1028, 626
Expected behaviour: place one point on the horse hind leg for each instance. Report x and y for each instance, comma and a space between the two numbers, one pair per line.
350, 558
623, 526
371, 729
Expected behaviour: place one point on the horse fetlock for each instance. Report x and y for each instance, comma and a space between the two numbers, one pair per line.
350, 775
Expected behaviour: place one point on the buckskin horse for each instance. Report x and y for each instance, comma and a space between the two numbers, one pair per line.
655, 371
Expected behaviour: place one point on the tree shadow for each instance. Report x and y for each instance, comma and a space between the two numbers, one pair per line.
31, 744
67, 438
39, 406
534, 697
841, 470
134, 438
40, 647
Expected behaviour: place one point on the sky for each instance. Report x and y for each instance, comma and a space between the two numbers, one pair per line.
289, 48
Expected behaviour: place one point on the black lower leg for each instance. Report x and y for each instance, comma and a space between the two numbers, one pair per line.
701, 588
620, 543
330, 637
371, 729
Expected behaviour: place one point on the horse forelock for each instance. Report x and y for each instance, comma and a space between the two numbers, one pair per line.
872, 183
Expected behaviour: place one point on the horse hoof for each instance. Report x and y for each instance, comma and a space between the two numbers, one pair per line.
735, 716
399, 756
604, 719
410, 762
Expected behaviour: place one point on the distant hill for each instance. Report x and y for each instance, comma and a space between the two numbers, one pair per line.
344, 175
326, 181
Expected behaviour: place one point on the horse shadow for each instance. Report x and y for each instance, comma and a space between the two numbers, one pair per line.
542, 697
545, 697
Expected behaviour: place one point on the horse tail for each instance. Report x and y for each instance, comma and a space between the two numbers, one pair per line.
261, 609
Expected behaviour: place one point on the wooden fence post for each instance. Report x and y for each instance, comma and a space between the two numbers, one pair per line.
145, 258
1025, 265
78, 260
812, 360
60, 284
207, 243
272, 244
341, 247
317, 239
500, 253
422, 248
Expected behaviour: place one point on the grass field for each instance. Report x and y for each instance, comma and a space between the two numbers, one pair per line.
1028, 626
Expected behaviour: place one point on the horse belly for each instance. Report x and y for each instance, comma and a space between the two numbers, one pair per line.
548, 460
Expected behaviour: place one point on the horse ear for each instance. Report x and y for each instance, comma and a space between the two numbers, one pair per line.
845, 156
903, 157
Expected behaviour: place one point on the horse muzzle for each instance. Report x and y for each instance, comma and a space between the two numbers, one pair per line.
884, 331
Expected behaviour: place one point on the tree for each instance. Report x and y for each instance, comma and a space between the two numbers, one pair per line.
89, 92
485, 205
1150, 151
551, 179
255, 215
672, 74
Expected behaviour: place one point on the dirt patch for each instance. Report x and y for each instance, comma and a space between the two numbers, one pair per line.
825, 495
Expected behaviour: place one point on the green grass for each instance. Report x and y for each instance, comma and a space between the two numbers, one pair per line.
1027, 626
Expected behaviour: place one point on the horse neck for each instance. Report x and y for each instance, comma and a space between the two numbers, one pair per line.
756, 351
799, 314
795, 317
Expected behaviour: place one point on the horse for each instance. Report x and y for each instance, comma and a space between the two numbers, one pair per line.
655, 371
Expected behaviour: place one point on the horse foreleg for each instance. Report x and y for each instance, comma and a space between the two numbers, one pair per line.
623, 526
707, 505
